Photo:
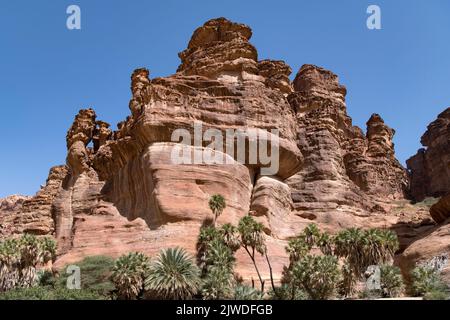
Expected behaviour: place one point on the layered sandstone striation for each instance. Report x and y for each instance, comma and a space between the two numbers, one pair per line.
344, 168
429, 169
9, 208
35, 214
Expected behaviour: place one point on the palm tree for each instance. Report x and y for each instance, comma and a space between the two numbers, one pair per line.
30, 257
350, 244
129, 274
297, 248
173, 275
317, 275
215, 256
20, 259
206, 236
312, 234
325, 243
219, 277
47, 249
217, 205
9, 260
363, 248
252, 240
230, 236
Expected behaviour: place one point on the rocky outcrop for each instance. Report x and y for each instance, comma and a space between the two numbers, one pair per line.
9, 208
441, 210
429, 169
36, 215
141, 188
126, 193
12, 204
343, 168
427, 246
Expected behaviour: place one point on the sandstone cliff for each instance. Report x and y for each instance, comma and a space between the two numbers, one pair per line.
343, 167
126, 194
429, 169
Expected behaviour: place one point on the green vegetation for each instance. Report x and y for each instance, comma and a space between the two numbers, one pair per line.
321, 266
391, 281
217, 205
427, 282
95, 272
50, 293
173, 275
361, 249
316, 275
129, 274
252, 241
215, 256
20, 259
437, 294
243, 292
46, 286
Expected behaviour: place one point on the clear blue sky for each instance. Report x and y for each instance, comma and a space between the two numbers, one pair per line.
47, 73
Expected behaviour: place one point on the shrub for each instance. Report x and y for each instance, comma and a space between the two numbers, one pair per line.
438, 293
129, 274
317, 275
95, 274
287, 292
49, 293
348, 281
391, 281
215, 255
243, 292
363, 248
424, 280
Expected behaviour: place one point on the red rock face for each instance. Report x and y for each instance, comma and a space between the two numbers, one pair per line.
343, 168
441, 210
9, 208
429, 169
126, 194
35, 214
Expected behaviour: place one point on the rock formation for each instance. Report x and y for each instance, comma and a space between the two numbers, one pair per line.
343, 167
429, 169
9, 208
126, 193
441, 210
12, 204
